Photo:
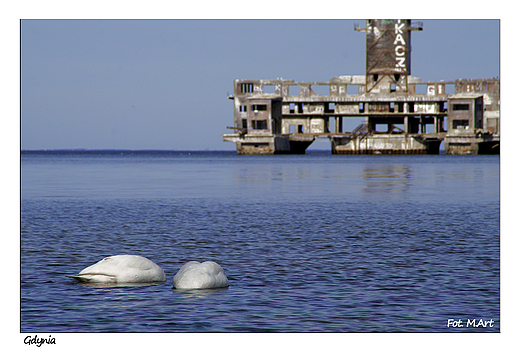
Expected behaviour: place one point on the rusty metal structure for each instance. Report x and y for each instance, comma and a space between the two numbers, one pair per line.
401, 113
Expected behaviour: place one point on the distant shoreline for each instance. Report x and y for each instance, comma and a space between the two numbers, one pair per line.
156, 152
142, 150
117, 150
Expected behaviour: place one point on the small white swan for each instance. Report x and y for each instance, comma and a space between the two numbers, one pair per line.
122, 269
196, 275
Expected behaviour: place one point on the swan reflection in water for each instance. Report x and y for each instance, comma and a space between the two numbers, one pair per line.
200, 293
118, 285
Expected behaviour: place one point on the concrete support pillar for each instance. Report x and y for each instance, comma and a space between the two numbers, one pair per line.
406, 127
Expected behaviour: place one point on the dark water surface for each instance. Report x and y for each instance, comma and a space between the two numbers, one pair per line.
309, 243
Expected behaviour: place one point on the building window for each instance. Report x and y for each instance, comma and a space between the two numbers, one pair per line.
243, 108
259, 107
449, 88
460, 107
352, 89
329, 107
460, 124
246, 88
269, 89
244, 123
259, 124
421, 89
294, 90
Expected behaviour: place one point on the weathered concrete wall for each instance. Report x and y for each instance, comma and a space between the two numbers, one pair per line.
470, 143
299, 125
347, 108
317, 126
386, 95
381, 143
426, 108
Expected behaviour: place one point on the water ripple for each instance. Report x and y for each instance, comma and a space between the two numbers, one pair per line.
351, 245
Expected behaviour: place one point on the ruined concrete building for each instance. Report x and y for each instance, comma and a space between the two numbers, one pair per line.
402, 114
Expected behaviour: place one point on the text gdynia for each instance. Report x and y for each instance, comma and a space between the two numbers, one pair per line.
39, 341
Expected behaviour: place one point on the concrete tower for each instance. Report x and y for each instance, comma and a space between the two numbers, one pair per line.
388, 54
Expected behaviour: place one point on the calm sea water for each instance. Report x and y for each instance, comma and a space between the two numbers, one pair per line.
309, 243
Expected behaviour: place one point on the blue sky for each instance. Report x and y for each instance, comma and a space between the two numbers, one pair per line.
163, 84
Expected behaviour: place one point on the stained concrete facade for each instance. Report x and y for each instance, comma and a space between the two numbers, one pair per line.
401, 113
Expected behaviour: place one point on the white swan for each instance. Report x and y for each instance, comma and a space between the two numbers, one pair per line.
196, 275
122, 269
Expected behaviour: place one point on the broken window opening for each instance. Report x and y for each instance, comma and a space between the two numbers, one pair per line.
460, 107
294, 90
460, 124
246, 88
329, 107
352, 89
322, 90
421, 88
259, 124
269, 89
259, 107
449, 88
